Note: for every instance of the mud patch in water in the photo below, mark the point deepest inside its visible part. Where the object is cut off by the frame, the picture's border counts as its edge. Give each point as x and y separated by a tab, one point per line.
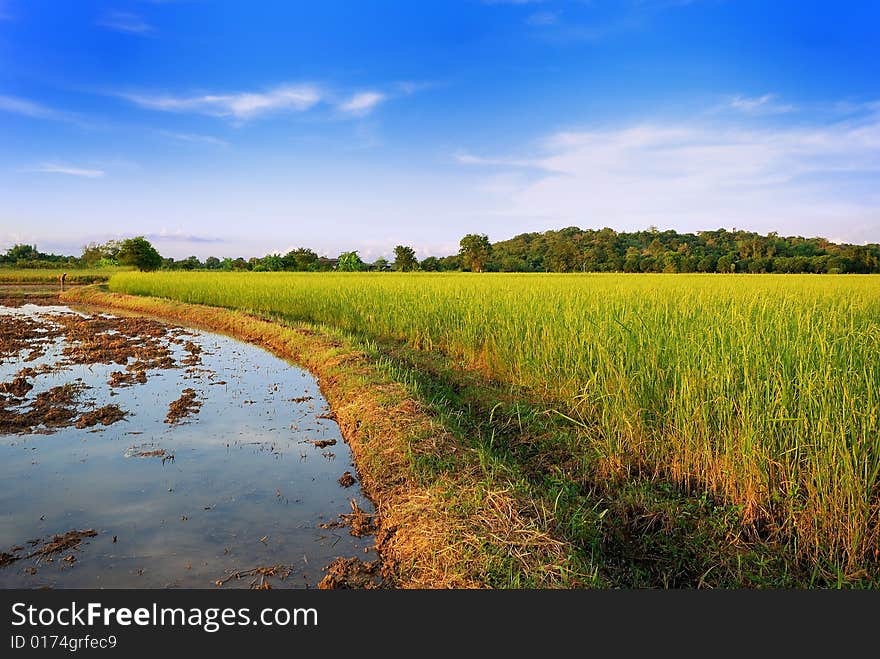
45	549
234	490
184	406
353	573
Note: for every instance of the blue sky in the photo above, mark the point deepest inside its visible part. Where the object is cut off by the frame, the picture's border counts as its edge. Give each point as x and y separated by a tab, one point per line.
241	128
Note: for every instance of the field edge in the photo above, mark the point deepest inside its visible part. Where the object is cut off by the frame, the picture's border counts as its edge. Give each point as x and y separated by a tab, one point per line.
456	530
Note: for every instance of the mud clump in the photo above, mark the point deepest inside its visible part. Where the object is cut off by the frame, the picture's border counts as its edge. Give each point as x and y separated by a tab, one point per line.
194	357
68	541
346	480
50	409
107	415
31	372
353	573
64	542
138	344
260	576
25	333
17	387
135	343
183	406
127	379
358	521
322	443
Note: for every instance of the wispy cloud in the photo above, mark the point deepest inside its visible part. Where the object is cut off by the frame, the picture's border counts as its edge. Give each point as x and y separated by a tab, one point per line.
121	21
766	104
60	168
28	108
194	138
814	178
180	237
466	158
34	110
362	102
241	105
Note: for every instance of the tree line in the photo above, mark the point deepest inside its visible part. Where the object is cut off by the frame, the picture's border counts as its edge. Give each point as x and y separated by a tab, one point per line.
578	250
567	250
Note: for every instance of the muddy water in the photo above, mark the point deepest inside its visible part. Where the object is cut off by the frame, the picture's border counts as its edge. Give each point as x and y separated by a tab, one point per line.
242	484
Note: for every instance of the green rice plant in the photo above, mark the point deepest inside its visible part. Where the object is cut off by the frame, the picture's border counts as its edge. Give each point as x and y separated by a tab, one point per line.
52	275
760	390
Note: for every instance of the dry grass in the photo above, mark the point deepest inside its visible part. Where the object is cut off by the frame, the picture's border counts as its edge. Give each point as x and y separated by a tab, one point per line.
453	531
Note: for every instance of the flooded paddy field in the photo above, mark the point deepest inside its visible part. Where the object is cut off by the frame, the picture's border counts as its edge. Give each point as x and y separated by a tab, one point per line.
138	454
18	294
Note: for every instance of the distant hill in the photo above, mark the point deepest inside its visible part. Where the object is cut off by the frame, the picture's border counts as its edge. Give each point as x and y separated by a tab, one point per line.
577	250
567	250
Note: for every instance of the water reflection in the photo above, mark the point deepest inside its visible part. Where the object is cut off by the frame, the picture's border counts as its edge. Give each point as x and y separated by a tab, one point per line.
245	487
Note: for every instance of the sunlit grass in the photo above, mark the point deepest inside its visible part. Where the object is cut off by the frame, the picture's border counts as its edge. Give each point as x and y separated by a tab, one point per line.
52	275
761	390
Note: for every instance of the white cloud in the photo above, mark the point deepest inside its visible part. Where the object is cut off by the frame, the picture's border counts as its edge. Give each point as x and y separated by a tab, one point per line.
122	21
28	108
194	138
34	110
57	168
180	236
465	158
818	179
362	102
242	106
766	104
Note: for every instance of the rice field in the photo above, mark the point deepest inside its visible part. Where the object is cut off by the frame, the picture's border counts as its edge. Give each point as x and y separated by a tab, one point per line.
52	275
760	390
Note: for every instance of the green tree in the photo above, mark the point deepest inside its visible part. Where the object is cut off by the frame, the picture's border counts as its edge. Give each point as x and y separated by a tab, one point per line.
405	258
18	253
212	263
475	250
430	264
139	253
726	264
300	259
350	262
563	256
96	254
189	263
380	264
272	262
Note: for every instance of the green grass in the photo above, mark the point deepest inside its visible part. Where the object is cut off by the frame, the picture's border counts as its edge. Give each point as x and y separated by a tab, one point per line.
759	392
51	275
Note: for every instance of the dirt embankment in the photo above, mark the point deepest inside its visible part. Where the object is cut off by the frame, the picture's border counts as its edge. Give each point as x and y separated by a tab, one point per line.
450	531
